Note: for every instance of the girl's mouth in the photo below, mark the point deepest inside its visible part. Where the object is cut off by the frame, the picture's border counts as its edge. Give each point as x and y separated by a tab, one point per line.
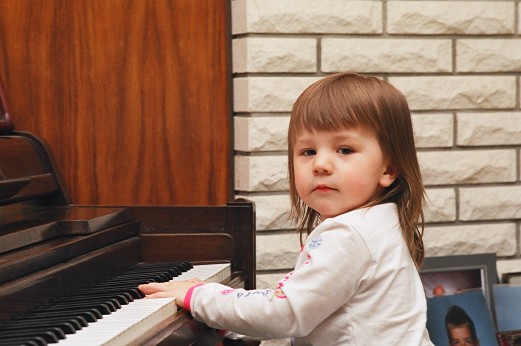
323	188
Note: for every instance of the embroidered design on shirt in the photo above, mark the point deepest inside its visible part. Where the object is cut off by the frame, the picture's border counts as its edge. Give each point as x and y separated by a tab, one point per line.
308	255
245	294
279	293
315	243
284	279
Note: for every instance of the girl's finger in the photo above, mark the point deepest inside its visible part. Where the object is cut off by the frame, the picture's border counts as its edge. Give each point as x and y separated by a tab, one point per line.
150	288
160	295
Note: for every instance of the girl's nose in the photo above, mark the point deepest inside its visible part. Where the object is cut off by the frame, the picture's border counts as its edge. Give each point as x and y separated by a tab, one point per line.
322	164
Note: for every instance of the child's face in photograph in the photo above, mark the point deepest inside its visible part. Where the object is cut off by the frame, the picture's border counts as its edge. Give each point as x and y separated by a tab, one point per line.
462	336
339	171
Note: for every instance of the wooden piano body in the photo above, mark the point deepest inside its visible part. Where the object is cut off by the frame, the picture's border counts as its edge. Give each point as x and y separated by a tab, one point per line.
49	246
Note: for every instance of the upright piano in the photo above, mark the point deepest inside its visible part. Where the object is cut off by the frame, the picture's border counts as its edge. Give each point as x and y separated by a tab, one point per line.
51	249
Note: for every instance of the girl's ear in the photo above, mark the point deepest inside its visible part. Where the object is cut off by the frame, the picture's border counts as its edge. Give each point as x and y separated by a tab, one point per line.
389	176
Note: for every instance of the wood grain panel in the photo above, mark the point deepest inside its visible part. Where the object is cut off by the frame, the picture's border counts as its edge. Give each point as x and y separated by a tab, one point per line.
213	247
132	96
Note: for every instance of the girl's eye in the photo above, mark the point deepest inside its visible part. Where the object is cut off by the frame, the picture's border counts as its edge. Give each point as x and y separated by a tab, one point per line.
308	152
345	151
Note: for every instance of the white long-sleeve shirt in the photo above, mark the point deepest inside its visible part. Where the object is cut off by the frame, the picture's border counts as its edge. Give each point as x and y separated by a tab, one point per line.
354	284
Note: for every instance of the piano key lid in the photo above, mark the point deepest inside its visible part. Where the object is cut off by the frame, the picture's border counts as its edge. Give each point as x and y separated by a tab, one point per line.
6	125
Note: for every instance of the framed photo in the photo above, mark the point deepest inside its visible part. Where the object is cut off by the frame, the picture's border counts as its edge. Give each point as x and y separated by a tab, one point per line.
455	274
460	319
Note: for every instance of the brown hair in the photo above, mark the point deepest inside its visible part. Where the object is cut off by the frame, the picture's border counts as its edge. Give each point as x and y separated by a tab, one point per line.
347	100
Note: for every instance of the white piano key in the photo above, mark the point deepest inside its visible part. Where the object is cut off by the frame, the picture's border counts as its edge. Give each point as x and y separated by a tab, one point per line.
139	320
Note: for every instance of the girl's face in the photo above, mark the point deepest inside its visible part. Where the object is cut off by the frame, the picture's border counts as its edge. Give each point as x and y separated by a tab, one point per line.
339	171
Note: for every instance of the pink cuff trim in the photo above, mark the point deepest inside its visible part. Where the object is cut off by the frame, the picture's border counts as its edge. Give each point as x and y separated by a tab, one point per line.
188	297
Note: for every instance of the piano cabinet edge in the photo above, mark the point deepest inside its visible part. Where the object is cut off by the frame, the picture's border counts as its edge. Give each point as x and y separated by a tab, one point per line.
235	219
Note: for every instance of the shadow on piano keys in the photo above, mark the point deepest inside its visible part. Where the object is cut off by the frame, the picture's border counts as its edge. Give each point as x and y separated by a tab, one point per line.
49	247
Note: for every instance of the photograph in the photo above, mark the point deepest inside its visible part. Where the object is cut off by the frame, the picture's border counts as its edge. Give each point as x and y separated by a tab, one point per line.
460	319
507	300
450	282
447	275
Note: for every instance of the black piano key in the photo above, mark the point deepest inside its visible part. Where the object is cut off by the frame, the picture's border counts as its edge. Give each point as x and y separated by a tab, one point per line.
163	269
122	296
115	287
153	271
133	277
156	268
103	308
176	268
122	299
149	270
168	273
182	265
123	285
133	291
90	315
111	303
136	280
23	341
76	323
66	327
49	334
186	265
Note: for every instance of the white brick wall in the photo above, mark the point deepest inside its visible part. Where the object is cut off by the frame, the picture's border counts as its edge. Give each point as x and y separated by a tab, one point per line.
457	63
380	55
450	17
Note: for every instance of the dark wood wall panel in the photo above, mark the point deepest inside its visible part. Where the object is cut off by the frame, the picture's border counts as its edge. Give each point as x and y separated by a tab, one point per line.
133	97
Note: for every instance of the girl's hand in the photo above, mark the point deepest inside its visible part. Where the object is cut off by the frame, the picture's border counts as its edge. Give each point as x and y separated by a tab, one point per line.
177	289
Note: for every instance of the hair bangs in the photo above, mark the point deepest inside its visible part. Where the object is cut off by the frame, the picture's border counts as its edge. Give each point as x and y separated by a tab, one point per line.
328	107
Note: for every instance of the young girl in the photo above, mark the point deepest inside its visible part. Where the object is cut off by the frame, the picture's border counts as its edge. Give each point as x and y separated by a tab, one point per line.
357	194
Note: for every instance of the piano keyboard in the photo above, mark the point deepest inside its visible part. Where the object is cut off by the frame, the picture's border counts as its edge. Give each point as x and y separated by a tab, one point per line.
135	322
131	325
